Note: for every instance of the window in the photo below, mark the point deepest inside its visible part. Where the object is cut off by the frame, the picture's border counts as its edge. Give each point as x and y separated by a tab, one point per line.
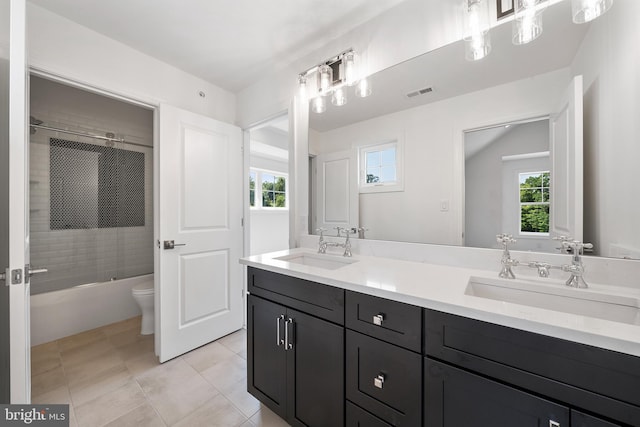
252	189
381	168
273	188
534	202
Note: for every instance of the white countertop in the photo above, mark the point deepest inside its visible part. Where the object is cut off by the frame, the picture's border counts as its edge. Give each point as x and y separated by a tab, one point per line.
442	288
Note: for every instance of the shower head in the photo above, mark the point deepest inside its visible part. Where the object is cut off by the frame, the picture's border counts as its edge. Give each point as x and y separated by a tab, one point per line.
33	121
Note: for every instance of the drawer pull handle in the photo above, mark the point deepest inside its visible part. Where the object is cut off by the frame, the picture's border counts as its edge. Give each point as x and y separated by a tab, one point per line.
379	381
554	423
279	341
378	319
288	336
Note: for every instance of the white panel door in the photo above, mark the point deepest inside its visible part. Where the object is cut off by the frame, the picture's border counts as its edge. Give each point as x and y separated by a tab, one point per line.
18	164
337	190
566	164
200	291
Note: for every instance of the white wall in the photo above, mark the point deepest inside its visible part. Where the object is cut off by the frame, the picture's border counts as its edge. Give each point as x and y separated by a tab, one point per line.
62	47
433	136
609	61
483	175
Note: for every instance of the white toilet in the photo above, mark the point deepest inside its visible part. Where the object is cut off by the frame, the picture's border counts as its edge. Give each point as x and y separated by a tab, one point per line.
143	294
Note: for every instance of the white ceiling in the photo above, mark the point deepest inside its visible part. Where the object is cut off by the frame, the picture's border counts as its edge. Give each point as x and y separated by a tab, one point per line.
229	43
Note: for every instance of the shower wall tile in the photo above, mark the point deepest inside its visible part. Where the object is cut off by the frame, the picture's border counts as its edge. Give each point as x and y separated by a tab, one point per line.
88	255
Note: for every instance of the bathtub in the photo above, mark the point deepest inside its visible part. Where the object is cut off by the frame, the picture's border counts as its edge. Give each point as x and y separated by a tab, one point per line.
58	314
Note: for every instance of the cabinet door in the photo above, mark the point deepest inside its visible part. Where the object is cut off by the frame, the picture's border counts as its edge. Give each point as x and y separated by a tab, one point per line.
266	358
315	376
455	398
579	419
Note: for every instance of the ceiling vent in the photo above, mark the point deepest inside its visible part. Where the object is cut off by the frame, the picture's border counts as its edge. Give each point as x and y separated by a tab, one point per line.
419	92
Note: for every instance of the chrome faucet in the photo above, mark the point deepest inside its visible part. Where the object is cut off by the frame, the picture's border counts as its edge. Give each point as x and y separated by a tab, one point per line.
347	242
322	244
507	262
576	268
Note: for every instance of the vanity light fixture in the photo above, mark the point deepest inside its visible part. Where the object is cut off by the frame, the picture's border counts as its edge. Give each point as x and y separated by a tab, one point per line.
363	88
349	67
527	22
333	76
319	104
302	86
588	10
476	26
325	78
339	97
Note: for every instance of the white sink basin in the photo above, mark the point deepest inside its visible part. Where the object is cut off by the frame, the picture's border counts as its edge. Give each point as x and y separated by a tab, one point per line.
329	262
557	297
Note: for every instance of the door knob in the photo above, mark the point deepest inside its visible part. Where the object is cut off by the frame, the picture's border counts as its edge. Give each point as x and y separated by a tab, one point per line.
169	244
30	271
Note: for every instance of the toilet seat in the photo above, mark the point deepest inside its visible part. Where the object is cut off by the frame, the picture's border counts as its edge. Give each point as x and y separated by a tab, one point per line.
145	288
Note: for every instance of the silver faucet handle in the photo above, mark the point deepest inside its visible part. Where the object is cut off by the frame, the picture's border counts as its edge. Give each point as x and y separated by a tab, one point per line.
577	246
562	239
505	239
321	231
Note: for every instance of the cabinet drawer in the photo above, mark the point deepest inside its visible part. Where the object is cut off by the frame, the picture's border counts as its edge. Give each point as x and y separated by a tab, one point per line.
602	381
456	398
391	321
384	379
358	417
326	302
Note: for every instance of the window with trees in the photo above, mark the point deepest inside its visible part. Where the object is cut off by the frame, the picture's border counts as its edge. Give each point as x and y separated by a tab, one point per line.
534	202
381	167
267	189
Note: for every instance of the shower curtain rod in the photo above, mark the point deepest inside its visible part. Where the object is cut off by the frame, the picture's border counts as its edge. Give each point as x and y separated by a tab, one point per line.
89	135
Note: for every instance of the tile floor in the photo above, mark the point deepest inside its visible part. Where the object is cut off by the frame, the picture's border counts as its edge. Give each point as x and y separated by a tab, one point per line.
110	377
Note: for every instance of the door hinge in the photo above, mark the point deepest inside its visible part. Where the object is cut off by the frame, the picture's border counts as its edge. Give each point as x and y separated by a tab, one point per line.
242	222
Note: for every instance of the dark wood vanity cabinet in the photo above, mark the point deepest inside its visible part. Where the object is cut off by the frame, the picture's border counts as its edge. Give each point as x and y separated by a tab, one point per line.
318	355
477	373
295	361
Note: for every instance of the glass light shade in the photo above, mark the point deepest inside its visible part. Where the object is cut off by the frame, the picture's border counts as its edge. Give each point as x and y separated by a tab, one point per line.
588	10
302	86
363	88
349	67
325	78
339	97
477	47
527	29
527	23
319	104
476	29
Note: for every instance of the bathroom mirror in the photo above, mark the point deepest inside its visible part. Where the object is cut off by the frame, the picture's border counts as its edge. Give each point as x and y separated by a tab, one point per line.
426	105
